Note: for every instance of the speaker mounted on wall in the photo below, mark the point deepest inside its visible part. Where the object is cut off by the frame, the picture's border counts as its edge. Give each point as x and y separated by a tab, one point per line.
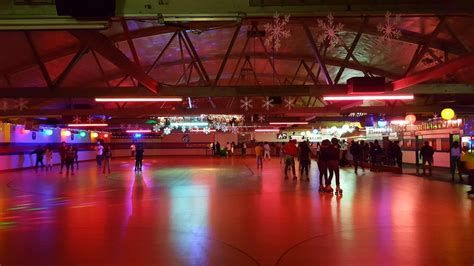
86	8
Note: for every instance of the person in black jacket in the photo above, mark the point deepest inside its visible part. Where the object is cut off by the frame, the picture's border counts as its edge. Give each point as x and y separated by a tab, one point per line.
357	155
39	151
426	154
139	158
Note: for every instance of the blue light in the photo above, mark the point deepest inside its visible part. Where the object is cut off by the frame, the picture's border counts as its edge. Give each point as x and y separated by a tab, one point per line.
382	123
137	135
48	132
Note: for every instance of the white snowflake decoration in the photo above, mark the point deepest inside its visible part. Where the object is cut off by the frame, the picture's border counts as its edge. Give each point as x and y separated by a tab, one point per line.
261	118
136	126
218	126
156	128
167	131
234	130
21	104
183	129
129	126
224	128
330	31
103	119
246	103
289	102
390	28
122	126
276	31
267	103
206	130
76	119
90	119
4	104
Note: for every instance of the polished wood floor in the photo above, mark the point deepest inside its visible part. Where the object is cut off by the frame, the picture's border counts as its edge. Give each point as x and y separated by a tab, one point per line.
218	211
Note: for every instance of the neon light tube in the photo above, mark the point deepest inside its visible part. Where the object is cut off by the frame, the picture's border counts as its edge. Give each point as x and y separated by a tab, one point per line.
189	124
87	125
202	130
138	131
288	123
267	130
115	100
399	122
368	97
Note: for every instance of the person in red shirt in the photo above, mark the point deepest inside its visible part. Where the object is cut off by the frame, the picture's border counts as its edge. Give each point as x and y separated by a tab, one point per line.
291	151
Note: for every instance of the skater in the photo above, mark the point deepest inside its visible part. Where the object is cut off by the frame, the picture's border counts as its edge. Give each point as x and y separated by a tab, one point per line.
62	155
69	160
99	151
455	161
357	156
139	158
467	160
333	165
133	148
398	153
304	153
106	159
244	149
267	149
323	158
290	151
259	155
218	149
375	154
426	154
228	148
39	151
76	156
49	158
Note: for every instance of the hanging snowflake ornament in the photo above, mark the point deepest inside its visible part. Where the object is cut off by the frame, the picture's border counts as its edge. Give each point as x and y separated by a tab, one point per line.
90	119
21	104
156	128
103	119
183	129
261	118
129	126
234	130
389	28
246	103
289	102
218	126
122	126
276	31
76	119
224	128
4	104
330	31
206	130
167	131
267	103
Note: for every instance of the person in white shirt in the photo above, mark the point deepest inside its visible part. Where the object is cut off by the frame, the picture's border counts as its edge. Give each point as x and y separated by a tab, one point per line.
456	161
266	151
133	148
99	151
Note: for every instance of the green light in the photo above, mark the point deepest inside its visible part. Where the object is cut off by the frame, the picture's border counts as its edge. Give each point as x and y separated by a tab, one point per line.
150	121
82	134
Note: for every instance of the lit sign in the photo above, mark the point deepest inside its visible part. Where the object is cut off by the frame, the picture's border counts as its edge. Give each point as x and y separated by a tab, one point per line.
282	136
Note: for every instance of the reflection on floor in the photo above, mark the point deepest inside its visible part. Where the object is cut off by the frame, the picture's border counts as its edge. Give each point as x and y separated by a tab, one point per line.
218	211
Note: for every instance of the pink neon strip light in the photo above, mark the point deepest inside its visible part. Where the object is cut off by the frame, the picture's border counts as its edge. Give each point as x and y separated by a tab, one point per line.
139	131
87	125
288	123
138	99
267	130
368	97
202	130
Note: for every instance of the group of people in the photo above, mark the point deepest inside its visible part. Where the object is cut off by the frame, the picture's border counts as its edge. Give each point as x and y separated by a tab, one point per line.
103	156
68	157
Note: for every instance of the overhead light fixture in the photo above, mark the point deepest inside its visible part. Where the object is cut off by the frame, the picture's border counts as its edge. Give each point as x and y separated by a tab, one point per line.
189	124
139	131
368	97
117	100
88	125
266	130
288	123
51	24
202	130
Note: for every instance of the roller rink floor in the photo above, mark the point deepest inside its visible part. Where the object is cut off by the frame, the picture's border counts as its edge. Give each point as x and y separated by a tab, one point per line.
223	211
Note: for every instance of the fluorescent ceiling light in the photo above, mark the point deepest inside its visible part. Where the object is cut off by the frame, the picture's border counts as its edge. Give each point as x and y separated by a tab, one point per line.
87	125
51	24
202	130
139	131
161	99
189	124
266	130
367	97
288	123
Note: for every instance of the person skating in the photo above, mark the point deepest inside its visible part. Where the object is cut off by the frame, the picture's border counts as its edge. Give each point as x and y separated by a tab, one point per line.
106	159
426	154
455	161
48	154
323	157
467	160
333	165
39	151
76	156
291	151
267	149
62	155
99	151
139	158
259	155
69	160
244	149
304	153
357	156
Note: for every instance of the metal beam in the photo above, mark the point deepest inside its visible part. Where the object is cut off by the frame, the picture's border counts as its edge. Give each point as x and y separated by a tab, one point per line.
434	72
107	49
195	55
319	59
37	58
59	80
229	50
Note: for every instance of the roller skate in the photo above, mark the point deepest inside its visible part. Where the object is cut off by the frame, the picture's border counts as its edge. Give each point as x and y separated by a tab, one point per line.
329	189
338	191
